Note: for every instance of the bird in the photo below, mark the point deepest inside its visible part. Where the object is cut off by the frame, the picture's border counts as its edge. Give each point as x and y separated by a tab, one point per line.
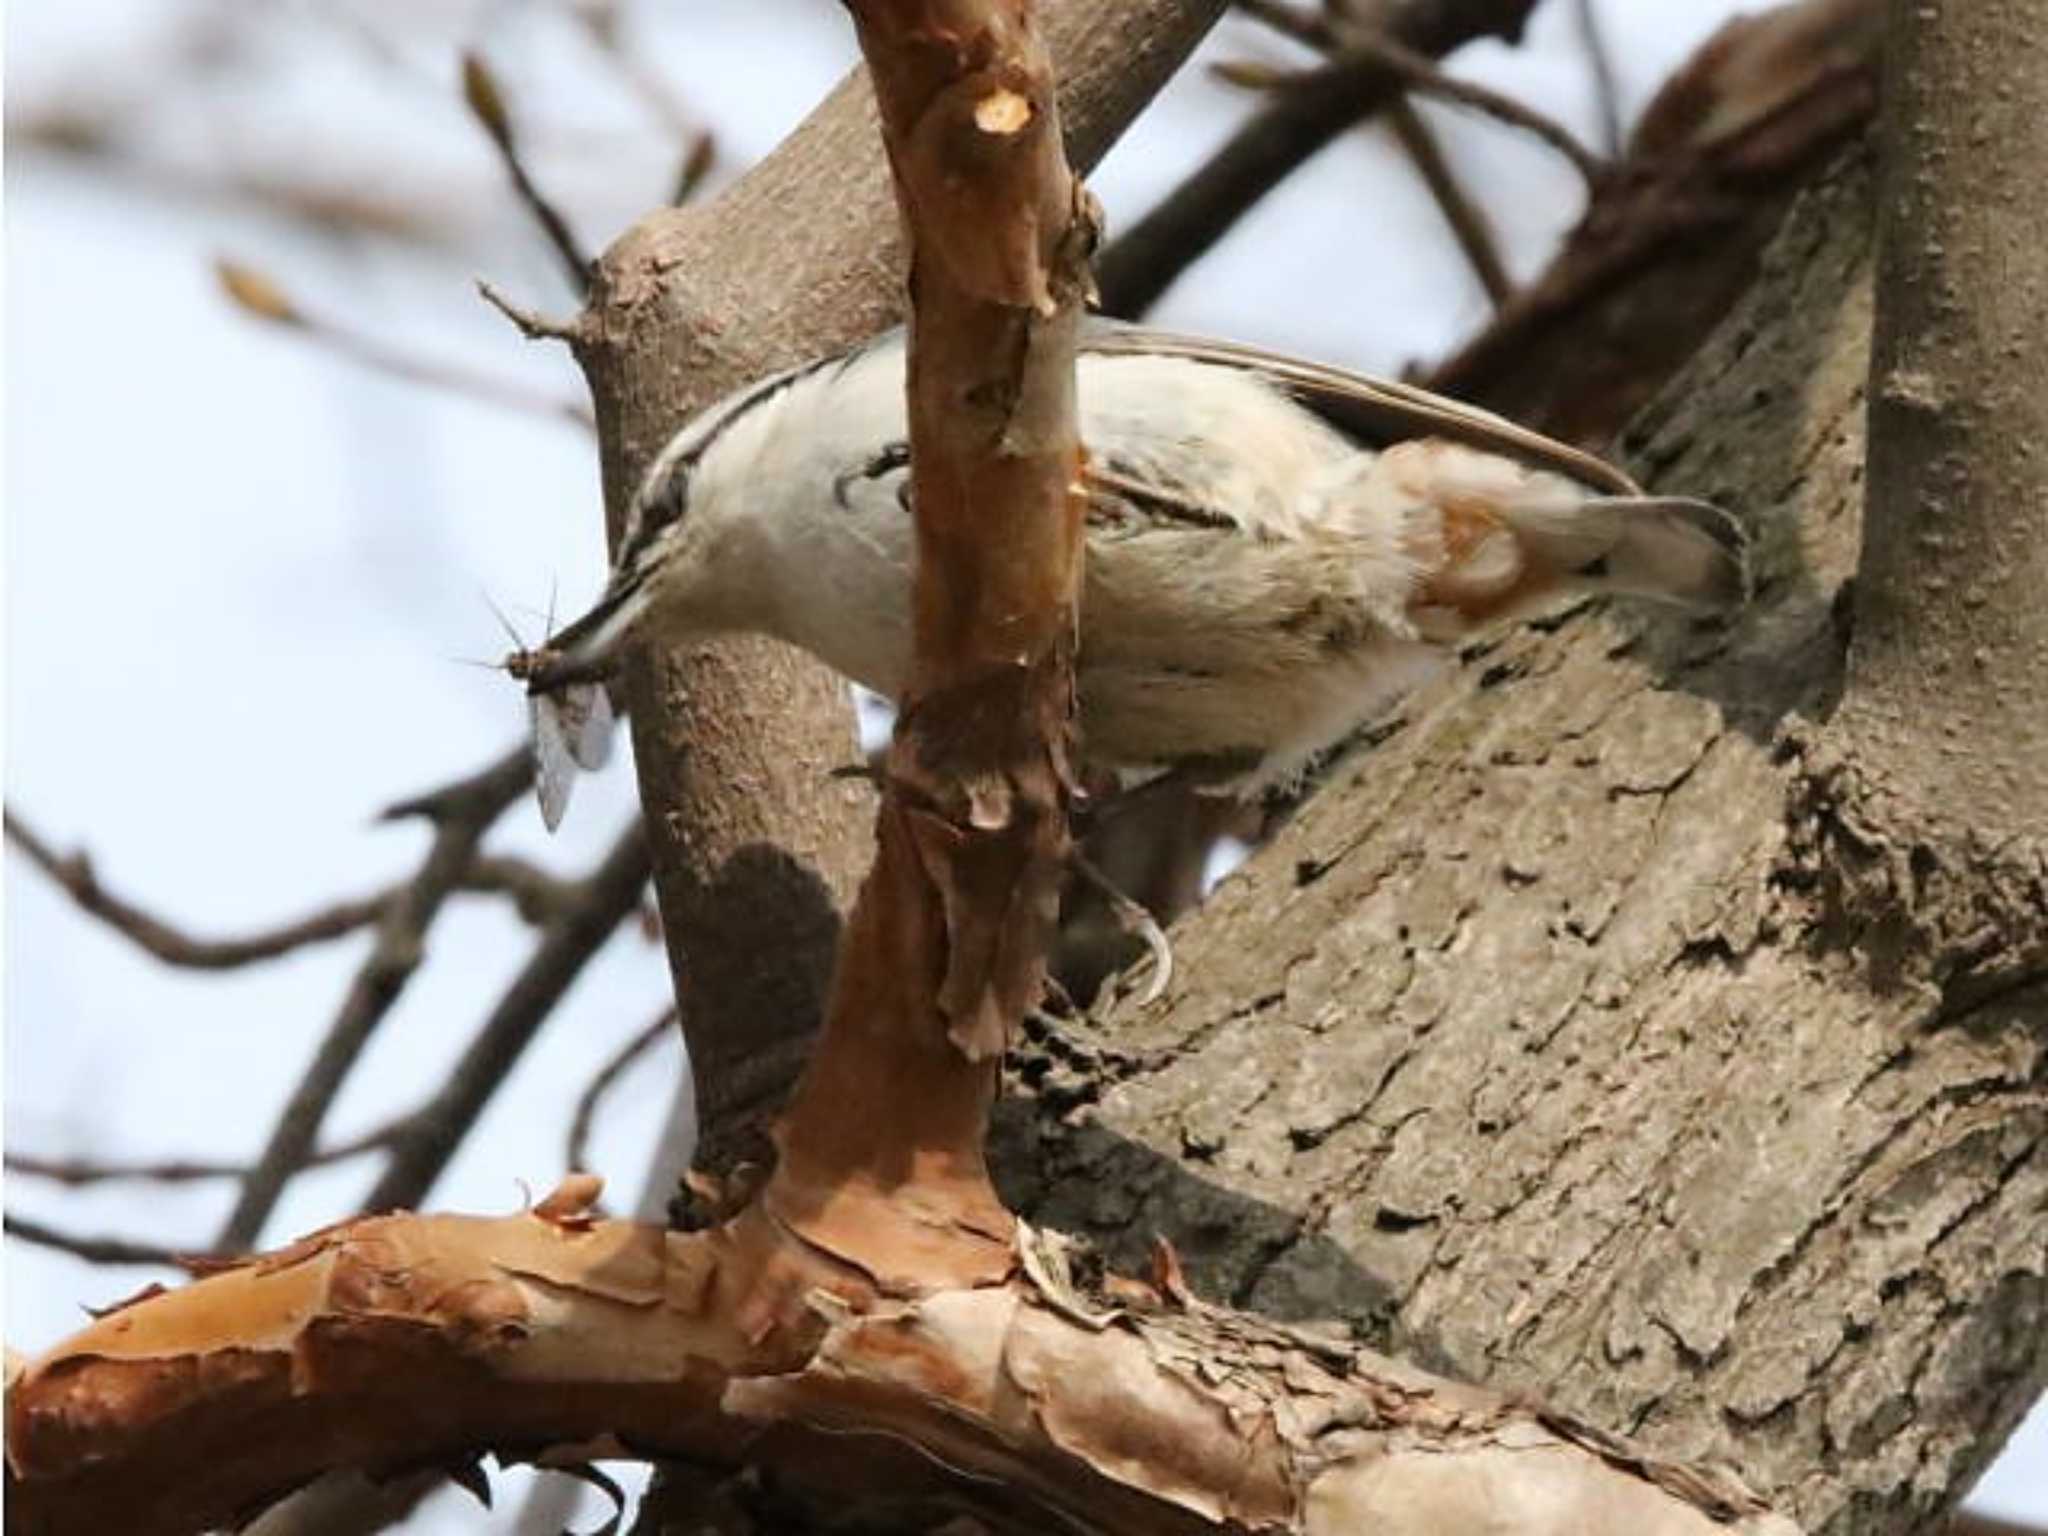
1276	549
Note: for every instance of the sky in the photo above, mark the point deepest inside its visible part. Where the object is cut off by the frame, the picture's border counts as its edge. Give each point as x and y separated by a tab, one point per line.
245	582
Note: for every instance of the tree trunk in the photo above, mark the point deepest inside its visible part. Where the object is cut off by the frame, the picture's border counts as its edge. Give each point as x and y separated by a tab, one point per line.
1583	1035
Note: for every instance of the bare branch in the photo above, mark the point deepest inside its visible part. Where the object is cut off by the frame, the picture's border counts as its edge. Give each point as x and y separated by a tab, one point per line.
487	104
757	852
659	1028
1312	29
74	874
102	1250
1600	62
1672	237
1468	221
1141	265
1424	76
428	1138
263	299
76	1171
698	161
1334	34
462	813
530	323
536	895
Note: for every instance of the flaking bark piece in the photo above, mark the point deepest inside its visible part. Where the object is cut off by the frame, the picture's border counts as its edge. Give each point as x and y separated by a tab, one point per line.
572	1204
978	764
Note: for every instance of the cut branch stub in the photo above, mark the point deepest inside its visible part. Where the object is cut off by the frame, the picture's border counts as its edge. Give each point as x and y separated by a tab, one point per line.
881	1154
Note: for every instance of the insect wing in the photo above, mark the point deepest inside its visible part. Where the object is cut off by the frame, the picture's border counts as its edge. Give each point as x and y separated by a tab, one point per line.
554	766
585	713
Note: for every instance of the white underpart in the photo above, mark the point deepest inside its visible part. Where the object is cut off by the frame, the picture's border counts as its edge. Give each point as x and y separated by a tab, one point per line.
1257	602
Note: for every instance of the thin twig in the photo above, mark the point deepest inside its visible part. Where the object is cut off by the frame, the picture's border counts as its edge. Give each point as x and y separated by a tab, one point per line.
1309	28
698	161
1281	136
535	894
531	324
383	358
74	874
432	1134
462	813
1600	62
487	105
1468	221
601	25
1335	36
80	1171
662	1026
1422	74
104	1250
259	296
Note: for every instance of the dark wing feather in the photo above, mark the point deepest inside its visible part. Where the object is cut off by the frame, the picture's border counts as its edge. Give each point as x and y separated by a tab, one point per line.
1377	412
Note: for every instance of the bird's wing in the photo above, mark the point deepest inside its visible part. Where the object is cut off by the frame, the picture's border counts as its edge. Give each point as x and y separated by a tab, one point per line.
1117	494
1378	412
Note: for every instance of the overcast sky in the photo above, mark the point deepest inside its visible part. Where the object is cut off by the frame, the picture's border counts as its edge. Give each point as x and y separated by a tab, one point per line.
244	580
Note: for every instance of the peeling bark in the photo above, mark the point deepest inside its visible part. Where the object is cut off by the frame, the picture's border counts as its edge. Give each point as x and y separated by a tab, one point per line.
411	1341
1572	1038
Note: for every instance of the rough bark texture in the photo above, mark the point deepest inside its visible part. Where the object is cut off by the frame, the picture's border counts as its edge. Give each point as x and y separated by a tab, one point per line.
756	848
1577	1038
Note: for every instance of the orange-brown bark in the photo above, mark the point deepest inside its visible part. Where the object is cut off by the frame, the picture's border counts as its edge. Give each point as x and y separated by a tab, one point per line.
881	1153
405	1341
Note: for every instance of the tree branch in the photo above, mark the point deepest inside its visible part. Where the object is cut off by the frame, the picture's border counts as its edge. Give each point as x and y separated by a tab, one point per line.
1135	269
262	298
1468	222
1423	77
183	1171
393	1341
101	1250
1600	65
576	1154
424	1142
535	894
487	104
1948	699
1672	236
462	813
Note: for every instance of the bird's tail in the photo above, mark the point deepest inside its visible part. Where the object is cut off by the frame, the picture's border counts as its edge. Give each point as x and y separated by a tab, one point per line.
1670	548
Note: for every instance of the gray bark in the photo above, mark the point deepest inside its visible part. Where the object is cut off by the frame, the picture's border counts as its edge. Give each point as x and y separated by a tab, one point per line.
1585	1034
756	848
1949	675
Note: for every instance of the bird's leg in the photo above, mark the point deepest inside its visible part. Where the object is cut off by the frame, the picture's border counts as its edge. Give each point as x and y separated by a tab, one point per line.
1132	917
